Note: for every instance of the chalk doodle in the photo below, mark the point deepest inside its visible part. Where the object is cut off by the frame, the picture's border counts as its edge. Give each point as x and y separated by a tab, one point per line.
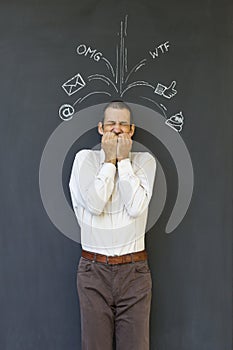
165	91
109	66
165	108
84	50
155	103
119	78
74	84
161	49
103	78
66	112
92	93
176	121
118	81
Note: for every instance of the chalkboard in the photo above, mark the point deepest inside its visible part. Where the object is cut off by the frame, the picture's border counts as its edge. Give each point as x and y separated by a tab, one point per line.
61	62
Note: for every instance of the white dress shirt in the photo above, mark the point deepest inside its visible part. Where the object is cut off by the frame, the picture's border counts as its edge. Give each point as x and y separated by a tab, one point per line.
111	202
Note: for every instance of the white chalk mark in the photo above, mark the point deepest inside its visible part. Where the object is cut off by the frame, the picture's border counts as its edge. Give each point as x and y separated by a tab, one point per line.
142	64
126	65
76	101
133	69
141	82
100	78
66	112
162	48
95	92
121	55
108	64
74	84
104	78
165	91
176	121
160	88
123	59
146	98
121	45
126	18
137	83
163	106
116	63
86	50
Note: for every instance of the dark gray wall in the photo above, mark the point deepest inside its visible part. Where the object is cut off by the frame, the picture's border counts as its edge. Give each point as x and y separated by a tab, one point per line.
191	267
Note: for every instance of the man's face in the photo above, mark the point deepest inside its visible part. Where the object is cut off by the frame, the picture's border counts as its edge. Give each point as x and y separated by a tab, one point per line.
117	121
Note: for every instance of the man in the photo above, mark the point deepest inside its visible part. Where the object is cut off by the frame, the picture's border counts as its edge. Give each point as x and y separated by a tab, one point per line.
110	192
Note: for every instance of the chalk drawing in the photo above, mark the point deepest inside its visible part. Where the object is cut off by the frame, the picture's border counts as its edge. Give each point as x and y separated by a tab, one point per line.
92	93
118	76
117	63
108	64
154	102
126	53
66	112
160	49
85	50
165	108
103	78
137	83
176	121
136	67
74	84
165	91
126	20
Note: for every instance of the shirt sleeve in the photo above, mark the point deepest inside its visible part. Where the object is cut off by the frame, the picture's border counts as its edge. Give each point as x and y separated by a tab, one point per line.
136	186
91	186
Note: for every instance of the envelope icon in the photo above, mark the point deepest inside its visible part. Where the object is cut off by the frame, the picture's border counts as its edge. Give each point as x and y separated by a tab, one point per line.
74	84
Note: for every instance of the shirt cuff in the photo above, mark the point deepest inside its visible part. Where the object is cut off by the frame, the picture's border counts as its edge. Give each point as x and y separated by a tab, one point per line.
108	170
125	167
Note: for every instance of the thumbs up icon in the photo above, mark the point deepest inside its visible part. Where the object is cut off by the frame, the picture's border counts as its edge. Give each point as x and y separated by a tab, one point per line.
165	91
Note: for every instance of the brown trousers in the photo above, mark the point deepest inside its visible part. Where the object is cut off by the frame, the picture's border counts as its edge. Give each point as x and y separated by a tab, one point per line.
114	299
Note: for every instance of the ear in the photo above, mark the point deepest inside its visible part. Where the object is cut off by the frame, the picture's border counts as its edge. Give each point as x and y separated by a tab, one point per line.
100	128
132	129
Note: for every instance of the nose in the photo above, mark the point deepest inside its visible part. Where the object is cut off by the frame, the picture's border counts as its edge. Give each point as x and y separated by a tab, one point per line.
117	128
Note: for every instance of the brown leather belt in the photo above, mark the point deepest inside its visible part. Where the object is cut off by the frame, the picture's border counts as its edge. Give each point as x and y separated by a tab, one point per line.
114	260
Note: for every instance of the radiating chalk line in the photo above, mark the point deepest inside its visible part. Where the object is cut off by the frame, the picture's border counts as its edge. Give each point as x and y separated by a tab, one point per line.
108	64
76	101
92	93
163	106
116	63
102	77
137	83
121	46
133	69
143	64
126	18
126	65
146	98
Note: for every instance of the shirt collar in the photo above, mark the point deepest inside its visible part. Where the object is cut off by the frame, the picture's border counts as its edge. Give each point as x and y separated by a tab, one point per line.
102	156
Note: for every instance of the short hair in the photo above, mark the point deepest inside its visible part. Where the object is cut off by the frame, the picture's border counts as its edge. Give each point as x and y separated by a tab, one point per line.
118	104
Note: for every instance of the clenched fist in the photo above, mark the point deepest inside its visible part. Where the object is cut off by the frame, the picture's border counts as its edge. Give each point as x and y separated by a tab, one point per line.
109	145
124	145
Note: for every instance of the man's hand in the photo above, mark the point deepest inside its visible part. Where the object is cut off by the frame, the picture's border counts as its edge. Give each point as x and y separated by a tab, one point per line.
109	145
124	145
